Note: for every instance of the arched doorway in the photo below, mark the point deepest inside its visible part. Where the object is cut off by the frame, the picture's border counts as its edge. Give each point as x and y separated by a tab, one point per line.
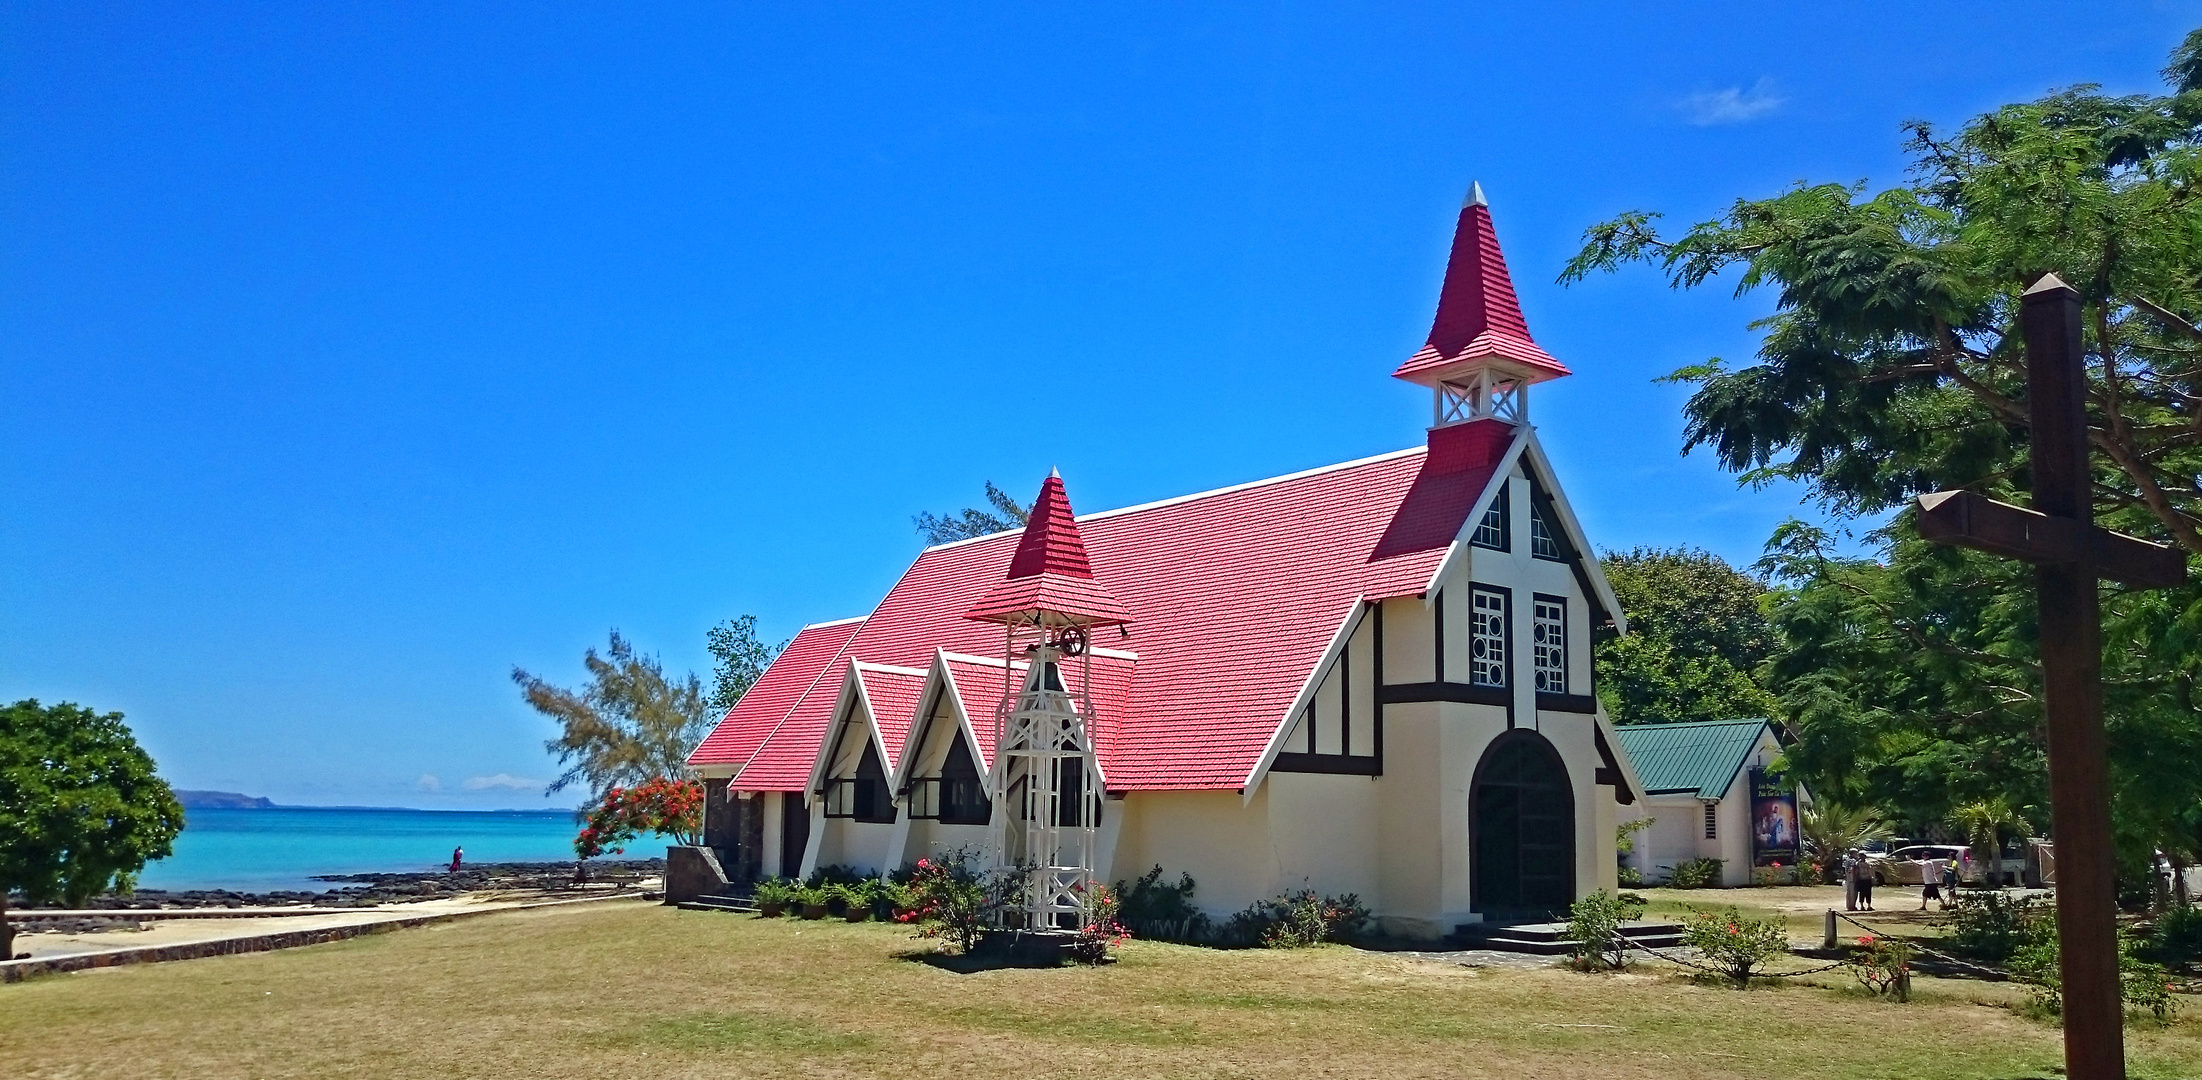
1522	820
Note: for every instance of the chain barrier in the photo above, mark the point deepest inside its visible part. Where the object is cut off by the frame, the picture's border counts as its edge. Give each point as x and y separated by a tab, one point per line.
1933	952
1628	943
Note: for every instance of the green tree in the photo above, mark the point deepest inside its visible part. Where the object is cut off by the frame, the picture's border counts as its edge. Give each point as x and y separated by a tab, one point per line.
1006	514
1831	828
81	807
1695	636
741	659
630	724
1985	823
1892	365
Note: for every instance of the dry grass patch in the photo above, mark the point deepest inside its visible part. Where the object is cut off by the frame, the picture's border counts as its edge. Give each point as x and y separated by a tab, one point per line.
647	991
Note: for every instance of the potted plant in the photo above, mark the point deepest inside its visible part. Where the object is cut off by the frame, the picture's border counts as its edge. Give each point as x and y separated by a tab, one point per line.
814	901
857	900
773	896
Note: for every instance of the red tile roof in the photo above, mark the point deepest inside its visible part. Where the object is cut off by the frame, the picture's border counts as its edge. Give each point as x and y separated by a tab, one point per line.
1461	462
1050	577
894	694
1236	594
805	667
1478	314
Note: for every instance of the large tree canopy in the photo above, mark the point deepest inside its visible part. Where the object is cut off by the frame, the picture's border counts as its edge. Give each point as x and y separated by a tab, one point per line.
1695	636
81	808
1893	365
630	724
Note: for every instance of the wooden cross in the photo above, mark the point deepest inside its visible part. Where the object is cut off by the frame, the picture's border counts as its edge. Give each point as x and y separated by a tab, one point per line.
2069	553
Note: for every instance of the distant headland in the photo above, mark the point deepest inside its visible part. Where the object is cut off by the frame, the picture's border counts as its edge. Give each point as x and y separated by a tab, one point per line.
221	800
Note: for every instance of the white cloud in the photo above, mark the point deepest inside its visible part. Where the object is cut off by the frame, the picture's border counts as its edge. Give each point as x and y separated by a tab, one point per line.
428	782
502	780
1734	105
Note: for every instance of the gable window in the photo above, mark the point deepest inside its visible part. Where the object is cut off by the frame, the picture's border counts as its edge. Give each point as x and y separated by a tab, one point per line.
1487	636
863	797
1548	644
1544	543
1491	531
1712	821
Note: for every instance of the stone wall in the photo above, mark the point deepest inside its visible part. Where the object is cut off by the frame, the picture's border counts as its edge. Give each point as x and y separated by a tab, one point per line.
691	872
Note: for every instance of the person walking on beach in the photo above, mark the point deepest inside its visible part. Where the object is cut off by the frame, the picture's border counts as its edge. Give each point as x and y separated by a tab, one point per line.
458	855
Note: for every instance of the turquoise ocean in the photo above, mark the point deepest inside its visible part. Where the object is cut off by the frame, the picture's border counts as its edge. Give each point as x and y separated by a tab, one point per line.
282	848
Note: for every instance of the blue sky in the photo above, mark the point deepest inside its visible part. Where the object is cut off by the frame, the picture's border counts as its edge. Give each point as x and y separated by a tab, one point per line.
353	354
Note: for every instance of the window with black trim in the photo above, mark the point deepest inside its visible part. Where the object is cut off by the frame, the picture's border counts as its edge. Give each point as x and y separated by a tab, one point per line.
863	797
1487	636
1491	531
1712	821
958	795
1548	643
1544	543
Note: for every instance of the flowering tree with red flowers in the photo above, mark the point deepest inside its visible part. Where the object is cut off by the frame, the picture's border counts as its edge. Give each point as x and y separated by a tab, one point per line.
661	806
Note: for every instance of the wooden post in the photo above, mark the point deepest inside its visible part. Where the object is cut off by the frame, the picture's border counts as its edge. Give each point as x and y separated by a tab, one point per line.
2072	701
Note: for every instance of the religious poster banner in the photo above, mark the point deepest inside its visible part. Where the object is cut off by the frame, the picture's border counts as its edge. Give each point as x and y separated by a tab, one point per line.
1774	837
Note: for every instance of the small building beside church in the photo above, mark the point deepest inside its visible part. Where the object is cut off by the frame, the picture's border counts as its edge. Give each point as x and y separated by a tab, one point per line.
1373	677
1706	793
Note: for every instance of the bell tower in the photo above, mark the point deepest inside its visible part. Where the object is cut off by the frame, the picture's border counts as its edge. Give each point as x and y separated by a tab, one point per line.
1046	776
1480	360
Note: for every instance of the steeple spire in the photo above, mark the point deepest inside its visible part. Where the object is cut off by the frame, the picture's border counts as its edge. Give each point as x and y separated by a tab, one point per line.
1050	580
1479	355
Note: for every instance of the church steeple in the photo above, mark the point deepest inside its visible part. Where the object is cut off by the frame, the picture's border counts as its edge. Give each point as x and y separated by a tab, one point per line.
1479	357
1050	580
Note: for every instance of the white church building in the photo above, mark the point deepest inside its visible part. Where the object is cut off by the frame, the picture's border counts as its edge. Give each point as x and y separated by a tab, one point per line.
1373	677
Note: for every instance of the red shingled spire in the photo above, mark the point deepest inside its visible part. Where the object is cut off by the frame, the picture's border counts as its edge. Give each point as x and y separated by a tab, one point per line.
1478	316
1050	579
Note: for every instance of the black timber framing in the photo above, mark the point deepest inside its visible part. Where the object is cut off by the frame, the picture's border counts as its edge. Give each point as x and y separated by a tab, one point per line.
1345	761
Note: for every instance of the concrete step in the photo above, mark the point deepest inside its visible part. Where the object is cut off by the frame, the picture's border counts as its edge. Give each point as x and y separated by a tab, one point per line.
1550	939
719	902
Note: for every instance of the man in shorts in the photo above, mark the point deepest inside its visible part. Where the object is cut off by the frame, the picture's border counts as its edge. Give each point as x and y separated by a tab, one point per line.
1930	881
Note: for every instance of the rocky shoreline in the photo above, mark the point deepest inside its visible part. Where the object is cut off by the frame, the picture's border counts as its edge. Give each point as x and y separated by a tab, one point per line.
358	890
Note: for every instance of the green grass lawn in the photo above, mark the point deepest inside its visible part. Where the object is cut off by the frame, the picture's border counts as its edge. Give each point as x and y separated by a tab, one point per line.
645	991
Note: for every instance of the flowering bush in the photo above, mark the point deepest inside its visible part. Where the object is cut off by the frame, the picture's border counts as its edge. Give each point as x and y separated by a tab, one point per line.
953	902
1737	945
1102	931
1883	965
666	807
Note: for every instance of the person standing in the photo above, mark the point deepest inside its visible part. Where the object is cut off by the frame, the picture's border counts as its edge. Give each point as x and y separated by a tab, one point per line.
1930	880
1866	881
458	855
1849	870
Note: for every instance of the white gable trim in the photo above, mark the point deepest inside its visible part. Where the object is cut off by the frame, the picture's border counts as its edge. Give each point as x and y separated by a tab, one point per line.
1621	754
855	702
940	686
1458	550
1338	643
1536	458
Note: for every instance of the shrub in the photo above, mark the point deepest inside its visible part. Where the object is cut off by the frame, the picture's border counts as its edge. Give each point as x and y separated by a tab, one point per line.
1594	925
1159	910
1296	920
2177	936
2142	986
1738	946
1883	965
836	874
1102	932
1989	926
1695	874
1776	874
955	902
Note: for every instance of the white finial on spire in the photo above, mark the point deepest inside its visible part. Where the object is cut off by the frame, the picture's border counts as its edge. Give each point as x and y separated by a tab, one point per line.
1055	474
1475	195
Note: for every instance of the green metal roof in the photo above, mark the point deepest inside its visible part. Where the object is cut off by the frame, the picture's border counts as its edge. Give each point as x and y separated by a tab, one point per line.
1700	757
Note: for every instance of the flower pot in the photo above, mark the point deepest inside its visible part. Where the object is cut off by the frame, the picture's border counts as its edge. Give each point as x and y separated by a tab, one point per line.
772	911
814	911
857	914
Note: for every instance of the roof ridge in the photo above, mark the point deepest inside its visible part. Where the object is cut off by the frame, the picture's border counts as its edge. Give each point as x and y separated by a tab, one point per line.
1251	484
832	622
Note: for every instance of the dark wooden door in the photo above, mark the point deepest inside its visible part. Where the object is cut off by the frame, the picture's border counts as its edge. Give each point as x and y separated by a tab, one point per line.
1522	819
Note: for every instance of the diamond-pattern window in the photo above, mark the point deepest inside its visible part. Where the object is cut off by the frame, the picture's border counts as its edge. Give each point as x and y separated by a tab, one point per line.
1487	636
1548	644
